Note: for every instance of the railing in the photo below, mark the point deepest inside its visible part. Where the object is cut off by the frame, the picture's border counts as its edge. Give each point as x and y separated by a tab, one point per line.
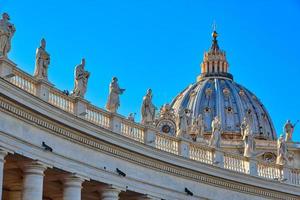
97	116
162	141
201	154
132	131
59	99
166	143
24	81
294	176
268	171
236	163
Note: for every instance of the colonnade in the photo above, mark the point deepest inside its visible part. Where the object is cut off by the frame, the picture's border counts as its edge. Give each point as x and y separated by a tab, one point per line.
33	179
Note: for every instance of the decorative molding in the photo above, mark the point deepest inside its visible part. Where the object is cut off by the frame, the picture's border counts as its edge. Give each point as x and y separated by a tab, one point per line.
36	119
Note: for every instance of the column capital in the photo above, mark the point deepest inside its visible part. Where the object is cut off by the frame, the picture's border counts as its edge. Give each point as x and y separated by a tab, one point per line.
110	192
34	167
73	180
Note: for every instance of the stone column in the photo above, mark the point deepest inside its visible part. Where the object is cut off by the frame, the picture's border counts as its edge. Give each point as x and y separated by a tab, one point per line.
2	161
115	123
219	158
253	171
80	107
33	180
110	193
43	89
72	187
15	195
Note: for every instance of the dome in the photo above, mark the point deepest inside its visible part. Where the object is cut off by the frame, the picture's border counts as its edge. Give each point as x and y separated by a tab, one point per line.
216	94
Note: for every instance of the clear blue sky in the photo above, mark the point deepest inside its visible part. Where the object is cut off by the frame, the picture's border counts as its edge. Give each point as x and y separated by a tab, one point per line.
159	44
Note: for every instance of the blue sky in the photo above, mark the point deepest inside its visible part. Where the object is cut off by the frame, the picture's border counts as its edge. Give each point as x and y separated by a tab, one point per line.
159	44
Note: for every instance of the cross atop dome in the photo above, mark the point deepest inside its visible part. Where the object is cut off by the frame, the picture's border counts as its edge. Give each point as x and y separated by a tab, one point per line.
214	62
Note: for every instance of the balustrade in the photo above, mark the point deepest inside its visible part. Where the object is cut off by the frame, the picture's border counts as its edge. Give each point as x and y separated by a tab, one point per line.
294	176
269	171
132	131
23	81
166	143
236	163
97	116
59	99
202	154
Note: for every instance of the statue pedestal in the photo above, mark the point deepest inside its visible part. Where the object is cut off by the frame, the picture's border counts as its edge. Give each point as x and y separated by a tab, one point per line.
219	158
6	68
184	147
115	123
150	136
253	167
80	106
43	89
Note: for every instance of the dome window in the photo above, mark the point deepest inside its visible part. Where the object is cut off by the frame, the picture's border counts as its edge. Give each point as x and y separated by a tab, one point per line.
229	109
242	93
208	92
207	109
226	91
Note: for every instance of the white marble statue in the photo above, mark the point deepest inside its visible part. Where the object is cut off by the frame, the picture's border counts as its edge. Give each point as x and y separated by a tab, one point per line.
282	152
183	122
113	101
215	139
7	31
148	109
81	80
288	130
248	138
42	60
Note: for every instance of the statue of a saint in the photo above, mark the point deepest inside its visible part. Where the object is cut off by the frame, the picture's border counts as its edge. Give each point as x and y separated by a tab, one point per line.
215	139
183	122
288	130
281	151
248	138
7	31
148	109
81	79
197	129
113	101
42	60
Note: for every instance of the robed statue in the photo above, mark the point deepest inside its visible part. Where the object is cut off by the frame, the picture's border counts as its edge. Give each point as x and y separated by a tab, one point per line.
113	101
183	122
282	152
148	109
248	138
215	139
197	128
81	80
42	60
288	130
7	31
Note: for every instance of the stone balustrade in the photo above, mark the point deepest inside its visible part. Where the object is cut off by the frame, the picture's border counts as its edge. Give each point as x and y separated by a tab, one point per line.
148	135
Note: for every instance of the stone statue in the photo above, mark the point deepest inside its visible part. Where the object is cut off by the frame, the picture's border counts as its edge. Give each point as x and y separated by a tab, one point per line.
248	138
7	31
42	60
197	129
148	109
81	79
288	130
113	101
183	122
131	117
281	151
215	139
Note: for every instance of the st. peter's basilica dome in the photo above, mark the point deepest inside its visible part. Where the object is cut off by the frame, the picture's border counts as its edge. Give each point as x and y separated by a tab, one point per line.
216	94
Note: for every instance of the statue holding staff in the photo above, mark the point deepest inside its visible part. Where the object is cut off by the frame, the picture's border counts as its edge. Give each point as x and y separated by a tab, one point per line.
148	109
